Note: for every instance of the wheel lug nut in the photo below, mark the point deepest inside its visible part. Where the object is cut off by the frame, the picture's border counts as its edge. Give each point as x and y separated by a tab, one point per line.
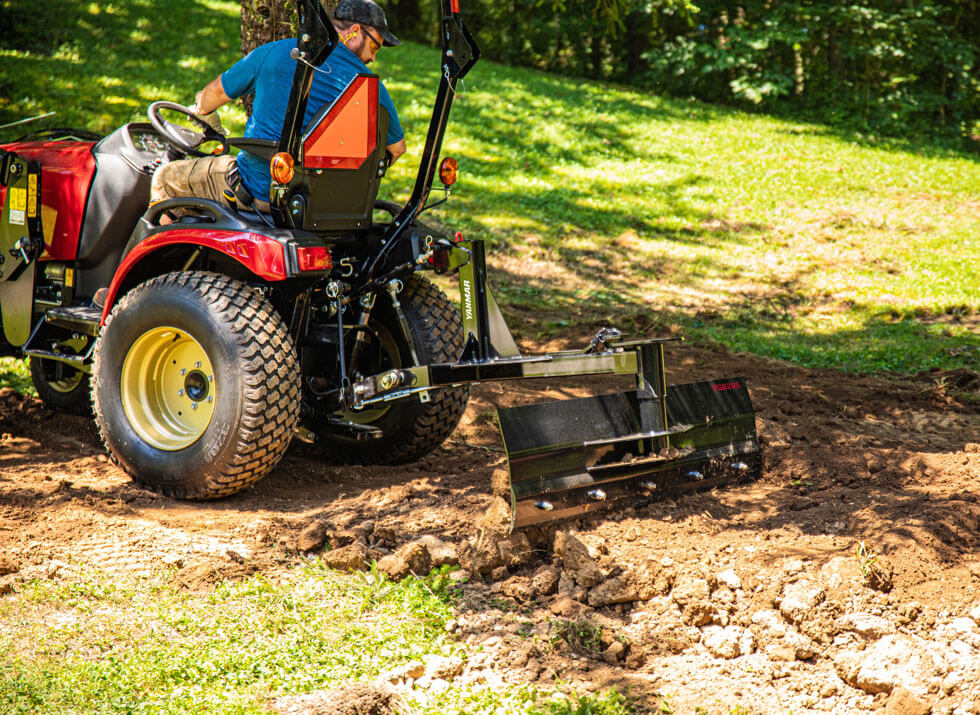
193	405
197	364
180	392
183	371
210	398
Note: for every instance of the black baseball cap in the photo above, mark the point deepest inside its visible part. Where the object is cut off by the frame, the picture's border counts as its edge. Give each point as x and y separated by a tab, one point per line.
366	12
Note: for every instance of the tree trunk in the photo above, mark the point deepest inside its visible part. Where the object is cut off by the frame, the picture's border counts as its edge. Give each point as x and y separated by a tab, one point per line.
264	21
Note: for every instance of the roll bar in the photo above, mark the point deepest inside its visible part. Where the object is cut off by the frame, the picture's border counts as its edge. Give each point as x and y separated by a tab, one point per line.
317	39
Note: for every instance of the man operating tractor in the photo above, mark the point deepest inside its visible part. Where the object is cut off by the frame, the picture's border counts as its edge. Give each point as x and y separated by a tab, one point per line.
267	72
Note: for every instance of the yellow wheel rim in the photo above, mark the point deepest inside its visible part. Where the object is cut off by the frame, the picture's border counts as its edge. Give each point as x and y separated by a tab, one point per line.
168	388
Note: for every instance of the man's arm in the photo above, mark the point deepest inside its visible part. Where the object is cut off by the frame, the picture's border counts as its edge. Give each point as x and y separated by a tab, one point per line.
396	149
212	97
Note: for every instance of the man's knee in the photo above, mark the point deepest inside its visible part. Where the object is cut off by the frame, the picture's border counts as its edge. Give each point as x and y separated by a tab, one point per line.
204	178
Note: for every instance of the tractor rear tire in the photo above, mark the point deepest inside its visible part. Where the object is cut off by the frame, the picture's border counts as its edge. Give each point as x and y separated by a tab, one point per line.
195	385
410	428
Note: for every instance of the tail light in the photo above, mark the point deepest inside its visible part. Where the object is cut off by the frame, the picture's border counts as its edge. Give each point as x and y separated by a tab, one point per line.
282	167
313	258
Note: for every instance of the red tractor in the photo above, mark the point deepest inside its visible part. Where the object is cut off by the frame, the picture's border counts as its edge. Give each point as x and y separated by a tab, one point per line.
205	345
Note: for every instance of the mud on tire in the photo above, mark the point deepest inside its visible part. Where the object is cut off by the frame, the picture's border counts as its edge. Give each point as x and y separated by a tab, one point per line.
195	385
410	428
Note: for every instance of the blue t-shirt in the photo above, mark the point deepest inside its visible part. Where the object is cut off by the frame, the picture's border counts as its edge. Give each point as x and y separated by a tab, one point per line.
268	72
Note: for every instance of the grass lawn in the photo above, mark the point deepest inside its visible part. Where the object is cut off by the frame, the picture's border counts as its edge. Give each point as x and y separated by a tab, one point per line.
93	644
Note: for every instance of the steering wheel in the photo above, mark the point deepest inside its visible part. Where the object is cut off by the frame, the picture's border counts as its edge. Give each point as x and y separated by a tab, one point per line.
182	138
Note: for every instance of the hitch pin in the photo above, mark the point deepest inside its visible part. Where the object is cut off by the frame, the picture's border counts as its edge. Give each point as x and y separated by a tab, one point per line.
20	246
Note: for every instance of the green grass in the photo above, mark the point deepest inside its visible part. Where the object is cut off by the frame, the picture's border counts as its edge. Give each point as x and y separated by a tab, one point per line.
769	236
92	644
16	374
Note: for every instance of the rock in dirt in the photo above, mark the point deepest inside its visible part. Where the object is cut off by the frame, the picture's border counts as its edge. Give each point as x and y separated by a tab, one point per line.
730	579
567	607
614	653
499	574
481	554
313	536
7	566
7	584
515	551
903	702
442	667
781	653
728	642
615	590
892	662
577	562
975	614
773	434
413	670
519	588
799	599
545	580
693	595
440	553
410	558
353	557
865	624
841	574
355	699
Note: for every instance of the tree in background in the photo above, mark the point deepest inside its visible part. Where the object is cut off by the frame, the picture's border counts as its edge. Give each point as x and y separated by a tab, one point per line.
886	65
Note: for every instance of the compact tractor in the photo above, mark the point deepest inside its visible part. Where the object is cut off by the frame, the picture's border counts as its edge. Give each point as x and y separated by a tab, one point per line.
206	344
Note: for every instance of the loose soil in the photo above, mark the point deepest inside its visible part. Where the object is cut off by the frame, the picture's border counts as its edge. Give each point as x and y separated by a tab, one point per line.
892	464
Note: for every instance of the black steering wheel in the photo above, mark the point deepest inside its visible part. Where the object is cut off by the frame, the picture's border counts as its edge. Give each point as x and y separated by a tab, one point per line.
182	138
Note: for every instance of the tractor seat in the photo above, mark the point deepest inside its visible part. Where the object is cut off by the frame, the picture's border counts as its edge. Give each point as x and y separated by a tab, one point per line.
342	160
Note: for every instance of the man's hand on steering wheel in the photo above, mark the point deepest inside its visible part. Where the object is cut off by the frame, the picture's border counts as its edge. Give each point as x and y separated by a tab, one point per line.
184	139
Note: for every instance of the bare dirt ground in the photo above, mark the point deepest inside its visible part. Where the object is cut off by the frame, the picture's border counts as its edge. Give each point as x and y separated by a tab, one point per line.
751	596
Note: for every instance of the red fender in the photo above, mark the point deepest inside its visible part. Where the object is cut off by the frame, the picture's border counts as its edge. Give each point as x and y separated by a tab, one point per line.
263	256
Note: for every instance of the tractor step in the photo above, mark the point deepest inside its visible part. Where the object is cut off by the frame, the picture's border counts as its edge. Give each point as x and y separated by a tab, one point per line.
79	318
572	457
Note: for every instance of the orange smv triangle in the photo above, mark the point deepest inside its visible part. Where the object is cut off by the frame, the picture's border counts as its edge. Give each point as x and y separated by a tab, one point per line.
346	135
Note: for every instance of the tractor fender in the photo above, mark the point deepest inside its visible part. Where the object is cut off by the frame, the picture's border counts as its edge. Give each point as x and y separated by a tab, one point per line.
261	255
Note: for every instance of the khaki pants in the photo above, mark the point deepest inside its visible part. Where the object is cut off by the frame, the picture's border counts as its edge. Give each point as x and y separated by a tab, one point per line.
205	177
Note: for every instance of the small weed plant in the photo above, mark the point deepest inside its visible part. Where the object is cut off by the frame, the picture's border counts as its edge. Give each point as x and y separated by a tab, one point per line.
612	702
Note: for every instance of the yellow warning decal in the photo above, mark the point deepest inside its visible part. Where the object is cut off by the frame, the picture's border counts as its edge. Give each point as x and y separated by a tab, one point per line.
18	204
69	277
32	195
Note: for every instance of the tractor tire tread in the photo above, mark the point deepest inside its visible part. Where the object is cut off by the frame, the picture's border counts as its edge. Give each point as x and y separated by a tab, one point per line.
440	329
271	376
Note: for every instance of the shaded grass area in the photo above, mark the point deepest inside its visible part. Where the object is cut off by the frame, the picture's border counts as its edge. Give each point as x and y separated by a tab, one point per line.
769	236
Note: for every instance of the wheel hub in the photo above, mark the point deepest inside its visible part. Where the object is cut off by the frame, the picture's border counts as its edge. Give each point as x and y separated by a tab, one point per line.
168	388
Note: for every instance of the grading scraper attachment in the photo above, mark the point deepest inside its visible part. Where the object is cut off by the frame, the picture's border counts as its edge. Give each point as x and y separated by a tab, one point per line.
571	457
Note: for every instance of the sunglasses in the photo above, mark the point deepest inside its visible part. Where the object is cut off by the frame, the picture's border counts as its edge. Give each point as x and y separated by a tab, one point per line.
378	44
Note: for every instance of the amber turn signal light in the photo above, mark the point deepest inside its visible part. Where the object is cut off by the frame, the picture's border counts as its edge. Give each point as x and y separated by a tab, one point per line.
282	167
448	171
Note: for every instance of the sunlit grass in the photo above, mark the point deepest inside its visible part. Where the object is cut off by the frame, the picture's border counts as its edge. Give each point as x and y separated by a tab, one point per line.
90	642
